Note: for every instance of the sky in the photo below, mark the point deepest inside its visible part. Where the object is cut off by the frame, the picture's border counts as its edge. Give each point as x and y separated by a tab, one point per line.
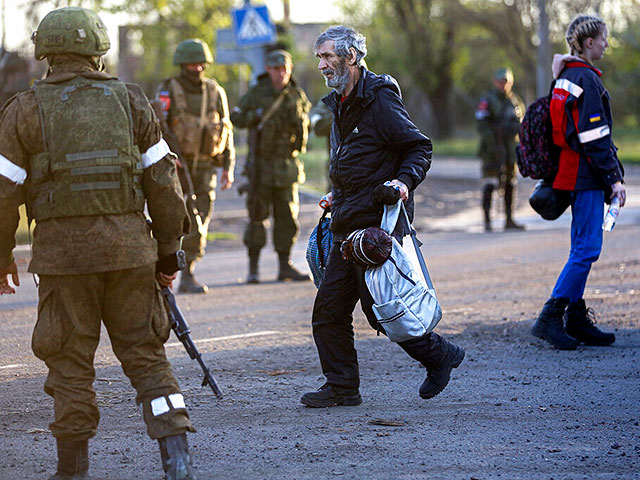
301	11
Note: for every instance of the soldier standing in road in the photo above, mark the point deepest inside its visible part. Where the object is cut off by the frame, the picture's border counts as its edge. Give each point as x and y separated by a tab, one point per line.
195	120
70	147
499	113
275	111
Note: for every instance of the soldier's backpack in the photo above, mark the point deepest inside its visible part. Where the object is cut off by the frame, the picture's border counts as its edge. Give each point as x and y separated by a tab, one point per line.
536	155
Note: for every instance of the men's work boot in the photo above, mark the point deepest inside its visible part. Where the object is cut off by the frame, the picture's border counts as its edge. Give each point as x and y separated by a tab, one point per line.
440	358
510	224
176	460
580	322
288	271
332	396
73	460
254	260
486	206
550	327
188	282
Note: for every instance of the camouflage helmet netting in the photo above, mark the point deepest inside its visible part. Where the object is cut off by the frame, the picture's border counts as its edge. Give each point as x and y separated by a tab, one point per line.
71	30
192	50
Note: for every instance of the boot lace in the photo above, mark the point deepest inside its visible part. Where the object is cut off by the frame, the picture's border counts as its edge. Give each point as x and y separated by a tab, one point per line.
590	316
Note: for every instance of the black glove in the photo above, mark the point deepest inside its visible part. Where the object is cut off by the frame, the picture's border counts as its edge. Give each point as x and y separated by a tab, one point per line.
171	263
385	195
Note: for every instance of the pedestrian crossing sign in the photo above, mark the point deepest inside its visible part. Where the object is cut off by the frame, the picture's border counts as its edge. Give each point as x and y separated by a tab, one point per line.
252	26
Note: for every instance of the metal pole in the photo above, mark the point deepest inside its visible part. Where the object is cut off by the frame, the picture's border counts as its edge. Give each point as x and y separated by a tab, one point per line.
287	17
543	68
4	29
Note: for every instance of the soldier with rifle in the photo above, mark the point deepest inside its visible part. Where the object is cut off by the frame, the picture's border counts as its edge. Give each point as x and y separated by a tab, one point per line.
194	115
275	111
499	113
84	151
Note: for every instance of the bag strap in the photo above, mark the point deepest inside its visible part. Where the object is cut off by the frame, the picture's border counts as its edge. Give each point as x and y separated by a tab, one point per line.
272	109
416	245
390	217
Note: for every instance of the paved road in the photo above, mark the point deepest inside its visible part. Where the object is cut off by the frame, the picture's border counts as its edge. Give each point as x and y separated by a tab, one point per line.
515	409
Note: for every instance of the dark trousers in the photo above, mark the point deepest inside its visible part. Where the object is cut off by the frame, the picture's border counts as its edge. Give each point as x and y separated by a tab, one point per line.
332	322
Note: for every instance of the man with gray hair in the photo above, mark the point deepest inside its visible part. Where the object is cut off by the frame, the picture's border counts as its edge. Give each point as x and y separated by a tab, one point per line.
377	157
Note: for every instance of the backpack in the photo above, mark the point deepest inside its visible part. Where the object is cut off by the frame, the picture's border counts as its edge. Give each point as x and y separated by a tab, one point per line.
318	248
404	300
537	155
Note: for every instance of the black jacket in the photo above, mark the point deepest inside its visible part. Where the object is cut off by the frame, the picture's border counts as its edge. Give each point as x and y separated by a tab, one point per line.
373	140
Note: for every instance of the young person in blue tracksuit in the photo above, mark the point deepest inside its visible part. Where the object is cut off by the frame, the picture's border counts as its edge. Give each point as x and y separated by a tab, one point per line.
590	169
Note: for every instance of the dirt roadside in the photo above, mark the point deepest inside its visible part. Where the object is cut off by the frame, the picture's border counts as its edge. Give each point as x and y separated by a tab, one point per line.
515	409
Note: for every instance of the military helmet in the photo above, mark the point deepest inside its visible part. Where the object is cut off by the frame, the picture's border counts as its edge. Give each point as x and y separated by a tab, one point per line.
192	50
71	30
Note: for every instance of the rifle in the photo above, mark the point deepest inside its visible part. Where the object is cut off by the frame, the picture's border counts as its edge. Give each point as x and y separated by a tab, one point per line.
169	265
184	175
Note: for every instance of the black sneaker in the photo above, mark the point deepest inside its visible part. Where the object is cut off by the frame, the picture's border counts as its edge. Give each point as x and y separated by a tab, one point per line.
331	396
581	321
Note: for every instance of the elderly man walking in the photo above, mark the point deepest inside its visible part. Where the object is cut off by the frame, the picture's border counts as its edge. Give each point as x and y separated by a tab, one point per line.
373	141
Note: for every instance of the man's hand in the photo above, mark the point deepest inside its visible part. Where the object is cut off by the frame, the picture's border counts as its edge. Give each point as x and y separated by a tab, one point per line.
404	190
226	180
166	280
326	201
12	270
620	192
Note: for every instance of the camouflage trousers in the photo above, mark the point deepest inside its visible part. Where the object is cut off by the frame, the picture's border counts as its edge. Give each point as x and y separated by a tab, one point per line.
204	185
285	204
71	309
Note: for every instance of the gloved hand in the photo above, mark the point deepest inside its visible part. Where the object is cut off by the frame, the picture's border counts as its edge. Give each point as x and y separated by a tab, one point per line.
385	195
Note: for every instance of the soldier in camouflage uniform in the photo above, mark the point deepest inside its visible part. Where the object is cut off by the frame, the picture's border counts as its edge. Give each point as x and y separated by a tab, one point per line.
276	112
85	152
499	113
195	120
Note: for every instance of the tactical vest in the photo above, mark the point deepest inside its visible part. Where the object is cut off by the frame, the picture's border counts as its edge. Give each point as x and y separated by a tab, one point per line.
212	136
90	165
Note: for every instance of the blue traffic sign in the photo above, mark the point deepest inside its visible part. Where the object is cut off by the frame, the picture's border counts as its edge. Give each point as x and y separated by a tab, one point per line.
252	26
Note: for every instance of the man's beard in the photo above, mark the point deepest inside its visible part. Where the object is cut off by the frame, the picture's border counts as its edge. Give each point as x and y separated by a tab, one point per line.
340	76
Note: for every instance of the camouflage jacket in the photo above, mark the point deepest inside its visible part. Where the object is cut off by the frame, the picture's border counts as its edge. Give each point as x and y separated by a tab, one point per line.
498	116
216	144
283	136
98	243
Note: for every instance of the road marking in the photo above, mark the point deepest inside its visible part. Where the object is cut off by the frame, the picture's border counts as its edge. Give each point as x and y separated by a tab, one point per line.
15	365
228	337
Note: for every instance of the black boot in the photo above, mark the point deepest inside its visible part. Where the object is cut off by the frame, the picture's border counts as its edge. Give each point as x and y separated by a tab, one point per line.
254	259
332	396
438	356
550	327
188	282
486	206
176	460
73	460
288	271
510	224
580	322
442	357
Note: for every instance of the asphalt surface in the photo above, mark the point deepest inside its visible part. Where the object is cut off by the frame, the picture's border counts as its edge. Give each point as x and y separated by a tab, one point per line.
515	409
